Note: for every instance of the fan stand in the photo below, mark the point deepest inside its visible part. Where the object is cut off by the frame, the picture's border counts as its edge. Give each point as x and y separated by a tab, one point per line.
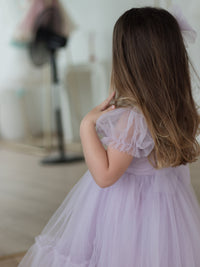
62	157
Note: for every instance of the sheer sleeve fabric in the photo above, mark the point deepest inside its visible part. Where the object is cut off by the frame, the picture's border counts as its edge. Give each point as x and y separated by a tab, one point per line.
125	129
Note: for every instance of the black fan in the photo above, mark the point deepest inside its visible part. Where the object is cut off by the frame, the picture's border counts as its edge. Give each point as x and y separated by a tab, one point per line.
47	41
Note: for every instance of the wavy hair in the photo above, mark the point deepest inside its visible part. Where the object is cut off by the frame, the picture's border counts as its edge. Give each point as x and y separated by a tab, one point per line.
150	70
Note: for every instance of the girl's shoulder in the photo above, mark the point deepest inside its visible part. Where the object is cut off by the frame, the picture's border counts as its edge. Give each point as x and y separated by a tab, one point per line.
120	113
125	128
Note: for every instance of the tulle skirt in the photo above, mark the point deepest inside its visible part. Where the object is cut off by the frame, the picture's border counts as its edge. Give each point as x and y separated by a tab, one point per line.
140	221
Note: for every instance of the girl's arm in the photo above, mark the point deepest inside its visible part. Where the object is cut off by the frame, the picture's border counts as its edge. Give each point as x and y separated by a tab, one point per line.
108	166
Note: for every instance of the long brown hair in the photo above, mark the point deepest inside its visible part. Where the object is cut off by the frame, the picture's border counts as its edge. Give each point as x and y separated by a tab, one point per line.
150	70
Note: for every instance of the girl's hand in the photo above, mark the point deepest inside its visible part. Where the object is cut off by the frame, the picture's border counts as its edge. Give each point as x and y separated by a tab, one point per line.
96	112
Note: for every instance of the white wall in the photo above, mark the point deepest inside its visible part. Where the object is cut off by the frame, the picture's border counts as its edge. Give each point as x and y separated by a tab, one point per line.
17	74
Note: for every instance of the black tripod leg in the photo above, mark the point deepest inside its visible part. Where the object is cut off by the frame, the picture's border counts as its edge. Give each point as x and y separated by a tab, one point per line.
61	146
58	116
54	67
62	158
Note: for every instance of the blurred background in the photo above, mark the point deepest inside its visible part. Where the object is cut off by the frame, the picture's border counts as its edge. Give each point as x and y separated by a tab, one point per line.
49	79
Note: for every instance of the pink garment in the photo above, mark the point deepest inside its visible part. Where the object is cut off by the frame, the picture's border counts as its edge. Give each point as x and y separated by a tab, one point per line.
63	25
36	8
148	218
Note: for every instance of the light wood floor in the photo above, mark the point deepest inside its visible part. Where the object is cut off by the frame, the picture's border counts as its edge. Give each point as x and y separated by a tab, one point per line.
29	195
11	260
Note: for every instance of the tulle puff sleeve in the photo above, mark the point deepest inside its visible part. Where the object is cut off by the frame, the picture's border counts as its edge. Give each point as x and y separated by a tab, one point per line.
125	129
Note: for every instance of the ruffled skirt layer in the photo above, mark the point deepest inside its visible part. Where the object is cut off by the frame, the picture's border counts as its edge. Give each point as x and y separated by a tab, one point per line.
140	221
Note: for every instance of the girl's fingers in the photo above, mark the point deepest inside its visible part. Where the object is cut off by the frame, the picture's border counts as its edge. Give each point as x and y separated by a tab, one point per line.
108	109
106	102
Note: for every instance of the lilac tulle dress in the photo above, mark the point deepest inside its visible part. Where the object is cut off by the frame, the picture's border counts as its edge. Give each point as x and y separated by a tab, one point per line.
148	218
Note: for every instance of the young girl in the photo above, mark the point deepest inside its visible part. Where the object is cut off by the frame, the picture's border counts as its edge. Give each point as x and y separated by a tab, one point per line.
135	206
